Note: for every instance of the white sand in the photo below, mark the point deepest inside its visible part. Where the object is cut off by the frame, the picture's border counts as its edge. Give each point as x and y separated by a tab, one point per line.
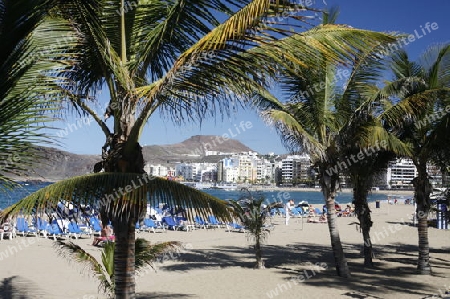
218	264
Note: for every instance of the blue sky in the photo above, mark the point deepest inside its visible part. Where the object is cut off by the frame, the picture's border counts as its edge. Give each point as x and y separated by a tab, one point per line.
389	16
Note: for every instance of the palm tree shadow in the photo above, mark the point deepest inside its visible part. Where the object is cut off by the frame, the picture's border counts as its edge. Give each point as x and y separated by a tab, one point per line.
292	260
16	287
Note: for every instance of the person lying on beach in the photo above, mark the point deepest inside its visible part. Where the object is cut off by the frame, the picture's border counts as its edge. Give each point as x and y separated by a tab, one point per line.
322	219
106	234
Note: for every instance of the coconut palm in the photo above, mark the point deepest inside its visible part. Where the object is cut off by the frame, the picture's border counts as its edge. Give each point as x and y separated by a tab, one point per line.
145	255
429	80
22	75
175	58
253	216
316	113
366	144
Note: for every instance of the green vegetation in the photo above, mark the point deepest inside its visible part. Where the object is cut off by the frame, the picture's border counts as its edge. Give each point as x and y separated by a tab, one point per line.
145	255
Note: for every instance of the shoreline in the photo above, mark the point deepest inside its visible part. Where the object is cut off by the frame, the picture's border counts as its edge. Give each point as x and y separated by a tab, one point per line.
393	192
342	190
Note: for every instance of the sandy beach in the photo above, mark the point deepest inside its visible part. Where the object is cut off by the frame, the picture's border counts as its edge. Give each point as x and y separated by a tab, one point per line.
218	264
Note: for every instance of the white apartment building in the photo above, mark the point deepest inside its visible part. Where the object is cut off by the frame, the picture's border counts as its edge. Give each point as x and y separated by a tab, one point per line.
401	172
161	171
265	171
231	174
196	171
295	167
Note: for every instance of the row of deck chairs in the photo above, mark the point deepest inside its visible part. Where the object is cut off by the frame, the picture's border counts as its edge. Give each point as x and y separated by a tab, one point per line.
54	229
181	223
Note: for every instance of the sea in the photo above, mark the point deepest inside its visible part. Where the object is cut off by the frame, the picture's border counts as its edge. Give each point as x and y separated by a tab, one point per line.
10	197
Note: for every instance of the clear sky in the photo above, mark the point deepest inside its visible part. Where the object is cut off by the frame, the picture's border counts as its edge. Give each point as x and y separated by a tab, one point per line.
403	16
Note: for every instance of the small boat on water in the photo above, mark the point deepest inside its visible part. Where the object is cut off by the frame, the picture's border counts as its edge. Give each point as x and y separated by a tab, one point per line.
226	186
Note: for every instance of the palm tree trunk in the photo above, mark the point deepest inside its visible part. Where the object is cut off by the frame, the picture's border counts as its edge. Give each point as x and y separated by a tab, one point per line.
362	211
329	192
423	263
422	191
124	265
258	253
124	158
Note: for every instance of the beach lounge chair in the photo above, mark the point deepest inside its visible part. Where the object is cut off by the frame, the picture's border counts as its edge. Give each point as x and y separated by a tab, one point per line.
138	226
150	225
273	212
23	227
171	224
213	222
317	211
7	231
233	226
95	225
200	223
295	212
41	226
54	230
76	231
184	224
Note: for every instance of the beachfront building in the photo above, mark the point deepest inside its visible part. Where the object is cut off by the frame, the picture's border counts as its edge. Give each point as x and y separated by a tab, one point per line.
400	174
231	175
295	169
247	167
184	170
224	174
435	174
197	172
161	170
265	171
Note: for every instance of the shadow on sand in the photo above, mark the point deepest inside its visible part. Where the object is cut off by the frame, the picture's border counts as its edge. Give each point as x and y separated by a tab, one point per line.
388	275
16	287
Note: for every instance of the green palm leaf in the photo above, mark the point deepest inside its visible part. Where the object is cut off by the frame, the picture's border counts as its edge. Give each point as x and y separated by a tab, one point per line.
102	271
119	193
27	71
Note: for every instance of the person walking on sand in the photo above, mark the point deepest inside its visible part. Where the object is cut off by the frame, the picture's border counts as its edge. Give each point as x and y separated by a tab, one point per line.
287	210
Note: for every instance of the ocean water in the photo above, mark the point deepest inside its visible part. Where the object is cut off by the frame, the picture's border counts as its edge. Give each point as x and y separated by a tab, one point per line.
312	197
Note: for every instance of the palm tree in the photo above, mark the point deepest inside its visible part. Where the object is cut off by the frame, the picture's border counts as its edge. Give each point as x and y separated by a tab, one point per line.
145	254
426	80
253	216
312	119
22	76
178	59
365	142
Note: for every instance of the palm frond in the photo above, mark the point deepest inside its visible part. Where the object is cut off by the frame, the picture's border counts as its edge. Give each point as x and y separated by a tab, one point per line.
147	253
70	251
119	193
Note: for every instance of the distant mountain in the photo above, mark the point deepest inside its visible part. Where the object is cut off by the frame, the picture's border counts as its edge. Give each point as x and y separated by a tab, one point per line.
58	164
192	149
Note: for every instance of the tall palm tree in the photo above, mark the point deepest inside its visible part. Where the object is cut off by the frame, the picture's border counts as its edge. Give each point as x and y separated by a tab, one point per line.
365	141
316	113
22	75
145	255
178	59
429	80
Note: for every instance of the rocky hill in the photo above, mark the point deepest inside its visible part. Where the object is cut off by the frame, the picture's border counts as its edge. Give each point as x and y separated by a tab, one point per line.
57	164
